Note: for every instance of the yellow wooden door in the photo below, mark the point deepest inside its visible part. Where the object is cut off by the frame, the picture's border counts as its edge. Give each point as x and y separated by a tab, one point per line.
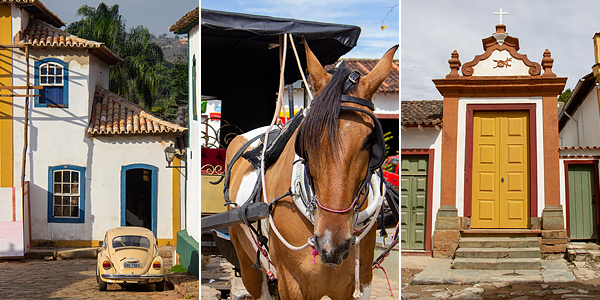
500	190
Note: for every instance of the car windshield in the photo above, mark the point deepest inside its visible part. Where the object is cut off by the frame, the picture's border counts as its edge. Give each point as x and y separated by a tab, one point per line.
391	165
131	241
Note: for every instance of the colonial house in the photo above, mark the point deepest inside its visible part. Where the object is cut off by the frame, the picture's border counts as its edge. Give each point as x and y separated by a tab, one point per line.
496	172
77	159
420	170
188	238
579	136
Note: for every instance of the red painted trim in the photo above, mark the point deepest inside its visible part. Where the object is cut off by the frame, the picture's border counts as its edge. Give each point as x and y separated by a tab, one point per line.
388	116
533	193
14	205
567	199
429	214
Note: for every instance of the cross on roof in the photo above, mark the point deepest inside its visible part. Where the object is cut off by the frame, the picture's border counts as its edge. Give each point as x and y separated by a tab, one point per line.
500	13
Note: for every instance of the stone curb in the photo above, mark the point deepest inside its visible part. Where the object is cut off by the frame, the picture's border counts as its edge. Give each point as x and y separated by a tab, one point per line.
80	253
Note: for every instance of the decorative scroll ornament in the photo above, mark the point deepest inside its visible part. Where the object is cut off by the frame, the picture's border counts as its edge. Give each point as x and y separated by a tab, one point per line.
503	63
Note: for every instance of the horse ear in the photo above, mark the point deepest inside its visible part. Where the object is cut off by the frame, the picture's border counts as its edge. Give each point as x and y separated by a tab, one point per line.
319	76
373	80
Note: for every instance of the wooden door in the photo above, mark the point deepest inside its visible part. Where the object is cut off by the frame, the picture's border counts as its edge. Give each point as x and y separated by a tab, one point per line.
582	202
500	178
413	206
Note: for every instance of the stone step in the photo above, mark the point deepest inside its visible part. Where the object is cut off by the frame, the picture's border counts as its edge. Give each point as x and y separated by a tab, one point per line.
497	263
499	242
499	252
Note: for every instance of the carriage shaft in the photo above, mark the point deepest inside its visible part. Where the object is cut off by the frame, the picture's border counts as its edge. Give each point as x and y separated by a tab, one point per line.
254	212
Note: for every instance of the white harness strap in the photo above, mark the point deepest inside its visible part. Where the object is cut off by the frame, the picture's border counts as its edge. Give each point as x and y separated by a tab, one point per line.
302	195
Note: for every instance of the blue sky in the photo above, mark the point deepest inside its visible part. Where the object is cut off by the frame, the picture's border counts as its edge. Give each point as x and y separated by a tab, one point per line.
368	15
156	15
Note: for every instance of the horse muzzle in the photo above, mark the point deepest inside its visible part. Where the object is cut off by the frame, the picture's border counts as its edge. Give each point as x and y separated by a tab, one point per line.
330	253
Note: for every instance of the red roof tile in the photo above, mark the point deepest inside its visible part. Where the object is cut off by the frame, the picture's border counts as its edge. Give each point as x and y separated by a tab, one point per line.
39	10
113	114
421	112
364	67
580	148
186	22
41	35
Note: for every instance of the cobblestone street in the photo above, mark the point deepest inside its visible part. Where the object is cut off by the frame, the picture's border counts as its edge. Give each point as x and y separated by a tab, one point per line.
67	279
216	274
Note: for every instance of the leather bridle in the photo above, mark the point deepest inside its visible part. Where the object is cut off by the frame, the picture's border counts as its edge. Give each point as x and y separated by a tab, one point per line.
377	148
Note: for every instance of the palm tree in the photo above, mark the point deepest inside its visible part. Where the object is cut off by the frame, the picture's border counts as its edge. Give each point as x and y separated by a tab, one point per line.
134	77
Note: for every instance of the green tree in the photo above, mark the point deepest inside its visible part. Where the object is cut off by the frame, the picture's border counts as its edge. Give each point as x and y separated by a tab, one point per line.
135	77
564	97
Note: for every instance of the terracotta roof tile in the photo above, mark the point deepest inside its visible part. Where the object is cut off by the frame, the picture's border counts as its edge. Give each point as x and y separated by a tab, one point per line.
37	8
364	67
421	112
186	22
112	114
41	34
580	148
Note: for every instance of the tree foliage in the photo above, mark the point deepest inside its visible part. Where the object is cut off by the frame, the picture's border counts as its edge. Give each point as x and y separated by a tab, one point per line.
135	77
564	97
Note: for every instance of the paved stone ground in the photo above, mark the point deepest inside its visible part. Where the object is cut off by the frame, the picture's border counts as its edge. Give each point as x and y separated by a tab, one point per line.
71	279
216	275
551	282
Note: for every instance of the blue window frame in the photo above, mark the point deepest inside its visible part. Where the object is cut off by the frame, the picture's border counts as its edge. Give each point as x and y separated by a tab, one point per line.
153	193
53	75
66	194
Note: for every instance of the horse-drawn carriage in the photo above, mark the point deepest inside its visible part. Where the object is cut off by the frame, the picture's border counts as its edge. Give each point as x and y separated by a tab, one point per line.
310	187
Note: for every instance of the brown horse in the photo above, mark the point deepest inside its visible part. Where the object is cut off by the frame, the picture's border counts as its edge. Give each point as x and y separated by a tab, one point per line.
335	141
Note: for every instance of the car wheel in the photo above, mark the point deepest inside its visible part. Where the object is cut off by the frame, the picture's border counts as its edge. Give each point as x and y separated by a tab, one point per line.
101	284
160	286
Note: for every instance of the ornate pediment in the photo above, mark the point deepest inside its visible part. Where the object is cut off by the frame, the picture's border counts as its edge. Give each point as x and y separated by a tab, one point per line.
501	58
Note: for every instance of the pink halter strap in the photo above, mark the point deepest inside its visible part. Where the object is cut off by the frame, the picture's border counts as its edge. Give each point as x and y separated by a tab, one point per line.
333	210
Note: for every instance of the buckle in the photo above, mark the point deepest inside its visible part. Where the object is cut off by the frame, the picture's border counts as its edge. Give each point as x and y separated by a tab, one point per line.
354	77
352	80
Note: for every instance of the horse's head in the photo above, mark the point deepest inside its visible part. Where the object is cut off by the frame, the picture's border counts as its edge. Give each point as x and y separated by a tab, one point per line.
337	144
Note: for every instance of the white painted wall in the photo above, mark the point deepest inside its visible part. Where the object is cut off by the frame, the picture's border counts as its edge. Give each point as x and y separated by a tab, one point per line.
584	129
57	137
193	153
461	136
489	66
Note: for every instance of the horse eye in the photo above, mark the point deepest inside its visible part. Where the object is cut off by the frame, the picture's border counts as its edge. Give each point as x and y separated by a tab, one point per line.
369	140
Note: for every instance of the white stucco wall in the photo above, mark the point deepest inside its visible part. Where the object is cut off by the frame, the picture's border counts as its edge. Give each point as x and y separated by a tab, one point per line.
461	136
584	129
193	153
428	138
57	137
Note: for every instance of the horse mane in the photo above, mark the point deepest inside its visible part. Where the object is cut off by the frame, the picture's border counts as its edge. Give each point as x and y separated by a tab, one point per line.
321	120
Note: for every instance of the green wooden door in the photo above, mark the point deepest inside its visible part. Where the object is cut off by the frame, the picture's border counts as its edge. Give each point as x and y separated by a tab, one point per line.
413	207
582	202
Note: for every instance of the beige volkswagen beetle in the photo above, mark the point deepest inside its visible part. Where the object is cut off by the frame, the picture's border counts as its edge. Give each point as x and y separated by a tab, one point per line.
129	255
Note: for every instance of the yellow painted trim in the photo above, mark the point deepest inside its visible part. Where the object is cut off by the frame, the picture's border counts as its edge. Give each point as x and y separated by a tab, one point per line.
596	67
6	103
83	244
66	244
167	242
176	202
